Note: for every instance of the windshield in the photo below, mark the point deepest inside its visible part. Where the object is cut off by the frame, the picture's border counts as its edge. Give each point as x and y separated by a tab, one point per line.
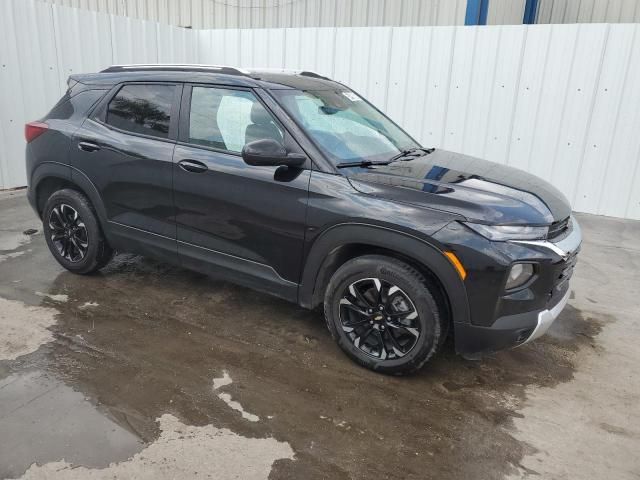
344	126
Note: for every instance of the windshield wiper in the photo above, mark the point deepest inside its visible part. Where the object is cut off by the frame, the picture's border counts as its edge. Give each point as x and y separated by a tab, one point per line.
405	156
412	153
362	163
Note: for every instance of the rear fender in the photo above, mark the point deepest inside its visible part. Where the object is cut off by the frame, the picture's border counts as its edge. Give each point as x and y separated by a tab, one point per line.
43	171
47	170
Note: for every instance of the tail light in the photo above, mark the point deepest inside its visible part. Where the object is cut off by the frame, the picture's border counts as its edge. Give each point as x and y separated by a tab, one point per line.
33	130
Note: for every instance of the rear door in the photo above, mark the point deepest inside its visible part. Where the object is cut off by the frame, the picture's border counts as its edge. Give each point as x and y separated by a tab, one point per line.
243	221
126	148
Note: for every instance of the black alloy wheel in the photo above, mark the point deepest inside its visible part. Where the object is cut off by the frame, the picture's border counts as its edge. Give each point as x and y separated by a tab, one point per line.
73	234
68	233
379	318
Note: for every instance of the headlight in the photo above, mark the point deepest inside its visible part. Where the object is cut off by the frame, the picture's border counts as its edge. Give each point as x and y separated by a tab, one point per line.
519	274
502	233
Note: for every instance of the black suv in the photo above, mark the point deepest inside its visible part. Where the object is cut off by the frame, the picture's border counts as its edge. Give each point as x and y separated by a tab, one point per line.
293	184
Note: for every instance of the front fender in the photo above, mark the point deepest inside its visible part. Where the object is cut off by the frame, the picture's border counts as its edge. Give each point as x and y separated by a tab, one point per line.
420	250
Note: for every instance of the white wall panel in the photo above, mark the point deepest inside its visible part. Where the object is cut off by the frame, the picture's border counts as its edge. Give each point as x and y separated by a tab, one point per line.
435	82
587	11
199	14
580	96
505	12
504	87
524	130
459	88
560	101
605	117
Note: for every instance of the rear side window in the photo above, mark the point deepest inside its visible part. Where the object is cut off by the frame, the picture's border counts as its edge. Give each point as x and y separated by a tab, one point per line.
144	109
228	119
74	108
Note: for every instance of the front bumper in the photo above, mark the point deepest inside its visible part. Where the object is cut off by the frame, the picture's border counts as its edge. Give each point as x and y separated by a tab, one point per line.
517	323
508	331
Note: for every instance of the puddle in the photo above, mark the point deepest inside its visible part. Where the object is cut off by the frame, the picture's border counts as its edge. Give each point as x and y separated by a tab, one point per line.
51	431
43	420
183	451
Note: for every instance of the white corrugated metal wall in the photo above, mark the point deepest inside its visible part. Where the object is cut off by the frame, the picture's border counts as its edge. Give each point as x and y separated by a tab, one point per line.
561	101
354	13
505	12
588	11
283	13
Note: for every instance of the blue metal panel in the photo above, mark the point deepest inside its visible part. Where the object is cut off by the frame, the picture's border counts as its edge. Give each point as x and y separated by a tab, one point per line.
473	12
530	10
484	10
476	12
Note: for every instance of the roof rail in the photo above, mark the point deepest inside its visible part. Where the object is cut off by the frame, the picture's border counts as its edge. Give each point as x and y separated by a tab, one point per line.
307	73
304	73
141	67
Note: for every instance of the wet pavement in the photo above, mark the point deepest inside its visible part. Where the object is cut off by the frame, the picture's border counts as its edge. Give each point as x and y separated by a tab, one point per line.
151	371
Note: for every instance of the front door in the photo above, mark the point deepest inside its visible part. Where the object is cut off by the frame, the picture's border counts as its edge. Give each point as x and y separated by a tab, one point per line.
126	150
242	221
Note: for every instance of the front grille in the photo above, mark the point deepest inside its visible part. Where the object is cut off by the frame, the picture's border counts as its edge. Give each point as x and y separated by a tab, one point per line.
558	228
562	274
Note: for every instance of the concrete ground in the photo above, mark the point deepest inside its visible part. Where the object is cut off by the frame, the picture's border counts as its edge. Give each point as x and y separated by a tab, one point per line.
146	370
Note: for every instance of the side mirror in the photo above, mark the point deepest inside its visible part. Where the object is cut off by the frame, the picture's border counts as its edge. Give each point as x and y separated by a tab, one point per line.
269	152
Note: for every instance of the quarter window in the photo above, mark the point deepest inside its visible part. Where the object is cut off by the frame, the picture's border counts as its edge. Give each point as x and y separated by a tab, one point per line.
228	119
142	109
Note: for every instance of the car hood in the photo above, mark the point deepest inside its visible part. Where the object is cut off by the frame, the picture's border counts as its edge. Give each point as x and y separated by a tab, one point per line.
476	189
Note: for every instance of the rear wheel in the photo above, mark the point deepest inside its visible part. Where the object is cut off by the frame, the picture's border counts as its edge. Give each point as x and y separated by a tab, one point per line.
73	233
383	314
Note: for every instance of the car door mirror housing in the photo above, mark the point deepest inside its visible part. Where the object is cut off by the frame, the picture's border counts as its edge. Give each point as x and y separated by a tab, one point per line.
269	152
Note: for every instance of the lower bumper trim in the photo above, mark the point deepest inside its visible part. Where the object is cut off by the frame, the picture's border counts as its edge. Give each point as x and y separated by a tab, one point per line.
547	317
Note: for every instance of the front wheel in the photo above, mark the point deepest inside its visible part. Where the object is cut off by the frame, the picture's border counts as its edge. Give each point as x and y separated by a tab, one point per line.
384	315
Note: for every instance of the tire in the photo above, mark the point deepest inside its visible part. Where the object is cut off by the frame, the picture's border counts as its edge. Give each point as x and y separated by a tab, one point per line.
410	314
69	220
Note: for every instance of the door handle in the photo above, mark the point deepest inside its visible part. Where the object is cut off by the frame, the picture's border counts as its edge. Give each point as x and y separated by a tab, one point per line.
193	166
88	146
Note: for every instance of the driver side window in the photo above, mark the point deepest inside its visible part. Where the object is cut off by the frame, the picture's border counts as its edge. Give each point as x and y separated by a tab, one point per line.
228	119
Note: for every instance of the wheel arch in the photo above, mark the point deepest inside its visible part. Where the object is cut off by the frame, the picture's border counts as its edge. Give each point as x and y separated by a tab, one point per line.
50	177
343	242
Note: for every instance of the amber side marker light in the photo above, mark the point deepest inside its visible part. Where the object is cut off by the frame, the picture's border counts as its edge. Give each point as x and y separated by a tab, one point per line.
457	264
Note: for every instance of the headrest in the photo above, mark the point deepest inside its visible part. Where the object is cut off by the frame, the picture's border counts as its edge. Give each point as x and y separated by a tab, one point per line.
259	115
